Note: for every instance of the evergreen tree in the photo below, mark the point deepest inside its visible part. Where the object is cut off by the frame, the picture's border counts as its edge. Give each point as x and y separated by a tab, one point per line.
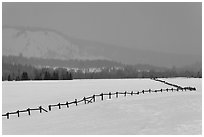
70	76
24	76
55	76
9	77
47	76
17	78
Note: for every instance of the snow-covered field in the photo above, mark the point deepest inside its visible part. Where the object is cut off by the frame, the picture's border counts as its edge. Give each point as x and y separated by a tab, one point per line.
149	113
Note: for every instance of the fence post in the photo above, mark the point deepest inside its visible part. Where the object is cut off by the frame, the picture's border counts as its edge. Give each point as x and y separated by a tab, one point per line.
28	111
49	107
18	113
172	89
125	93
167	89
131	93
84	100
94	98
149	90
7	115
59	105
67	104
116	94
143	91
109	95
161	89
101	96
40	109
76	101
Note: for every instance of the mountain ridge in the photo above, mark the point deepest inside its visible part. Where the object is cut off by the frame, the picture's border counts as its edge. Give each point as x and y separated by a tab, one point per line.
50	43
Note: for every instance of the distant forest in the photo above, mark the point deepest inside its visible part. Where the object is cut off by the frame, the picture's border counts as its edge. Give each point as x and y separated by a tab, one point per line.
131	72
15	71
20	72
72	63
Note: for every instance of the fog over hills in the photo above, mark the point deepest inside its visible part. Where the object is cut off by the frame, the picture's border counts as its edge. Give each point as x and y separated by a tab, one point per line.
52	44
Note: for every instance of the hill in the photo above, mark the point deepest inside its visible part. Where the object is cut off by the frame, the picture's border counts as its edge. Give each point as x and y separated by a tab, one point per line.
52	44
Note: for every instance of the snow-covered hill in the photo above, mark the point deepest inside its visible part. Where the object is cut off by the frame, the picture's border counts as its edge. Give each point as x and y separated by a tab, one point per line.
40	43
149	113
47	43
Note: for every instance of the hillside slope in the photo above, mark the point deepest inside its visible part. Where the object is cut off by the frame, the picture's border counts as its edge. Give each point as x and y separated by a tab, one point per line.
46	43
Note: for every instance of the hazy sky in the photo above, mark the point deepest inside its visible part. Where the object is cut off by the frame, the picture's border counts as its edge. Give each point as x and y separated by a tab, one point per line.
169	27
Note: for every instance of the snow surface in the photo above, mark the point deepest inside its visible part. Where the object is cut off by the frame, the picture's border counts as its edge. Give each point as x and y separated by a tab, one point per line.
149	113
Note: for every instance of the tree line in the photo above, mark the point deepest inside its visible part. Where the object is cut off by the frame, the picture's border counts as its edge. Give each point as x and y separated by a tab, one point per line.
28	72
72	63
20	72
132	72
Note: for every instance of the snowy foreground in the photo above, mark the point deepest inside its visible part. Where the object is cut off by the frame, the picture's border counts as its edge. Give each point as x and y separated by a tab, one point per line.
149	113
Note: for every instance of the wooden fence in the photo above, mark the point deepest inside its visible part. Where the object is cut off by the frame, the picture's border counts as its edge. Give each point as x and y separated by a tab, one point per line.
91	99
174	85
26	110
101	96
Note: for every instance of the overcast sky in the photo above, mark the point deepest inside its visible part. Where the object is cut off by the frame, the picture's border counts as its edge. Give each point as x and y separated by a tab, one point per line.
168	27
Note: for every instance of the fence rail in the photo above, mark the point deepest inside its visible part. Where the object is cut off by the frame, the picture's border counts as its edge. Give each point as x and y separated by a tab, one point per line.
101	96
26	110
109	95
174	85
